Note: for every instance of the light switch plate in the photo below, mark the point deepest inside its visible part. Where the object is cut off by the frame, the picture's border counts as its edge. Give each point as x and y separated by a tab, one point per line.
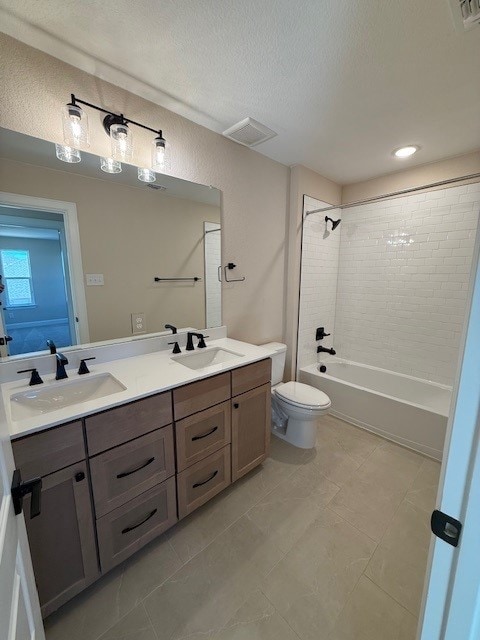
138	322
94	279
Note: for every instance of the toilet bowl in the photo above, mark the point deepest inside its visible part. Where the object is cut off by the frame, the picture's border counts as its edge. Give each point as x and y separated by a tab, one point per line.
296	407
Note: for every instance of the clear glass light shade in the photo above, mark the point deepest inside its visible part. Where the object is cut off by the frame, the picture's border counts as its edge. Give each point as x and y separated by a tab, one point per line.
158	154
122	142
146	175
75	126
109	165
67	154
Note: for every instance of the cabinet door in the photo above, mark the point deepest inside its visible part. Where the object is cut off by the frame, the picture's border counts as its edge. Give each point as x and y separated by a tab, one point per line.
250	430
62	539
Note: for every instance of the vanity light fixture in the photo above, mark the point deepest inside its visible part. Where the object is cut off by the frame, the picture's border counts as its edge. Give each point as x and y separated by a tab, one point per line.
116	125
75	126
146	175
122	142
67	154
109	165
406	152
158	154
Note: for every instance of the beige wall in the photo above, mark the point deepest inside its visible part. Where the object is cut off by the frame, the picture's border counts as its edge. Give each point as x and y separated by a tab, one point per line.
35	86
415	177
303	181
129	235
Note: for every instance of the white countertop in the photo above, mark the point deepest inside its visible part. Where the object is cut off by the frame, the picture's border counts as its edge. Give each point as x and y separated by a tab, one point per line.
142	376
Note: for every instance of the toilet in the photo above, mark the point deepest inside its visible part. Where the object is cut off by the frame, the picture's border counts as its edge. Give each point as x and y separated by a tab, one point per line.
300	405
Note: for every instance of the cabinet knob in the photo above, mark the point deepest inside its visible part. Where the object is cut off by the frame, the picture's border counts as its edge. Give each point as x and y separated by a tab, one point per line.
235	405
79	476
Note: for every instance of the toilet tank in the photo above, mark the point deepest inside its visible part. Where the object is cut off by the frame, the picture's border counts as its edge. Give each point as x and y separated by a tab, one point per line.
278	353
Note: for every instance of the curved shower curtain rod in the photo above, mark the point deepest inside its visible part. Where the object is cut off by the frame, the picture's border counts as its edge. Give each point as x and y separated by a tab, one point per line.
393	193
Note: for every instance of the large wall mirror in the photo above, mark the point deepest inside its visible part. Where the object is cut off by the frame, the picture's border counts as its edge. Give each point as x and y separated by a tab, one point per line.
87	256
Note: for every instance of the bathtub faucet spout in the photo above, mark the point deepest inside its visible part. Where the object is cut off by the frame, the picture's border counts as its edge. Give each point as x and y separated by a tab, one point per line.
321	349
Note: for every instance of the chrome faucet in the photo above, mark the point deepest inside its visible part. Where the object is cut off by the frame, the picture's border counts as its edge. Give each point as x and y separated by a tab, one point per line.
61	362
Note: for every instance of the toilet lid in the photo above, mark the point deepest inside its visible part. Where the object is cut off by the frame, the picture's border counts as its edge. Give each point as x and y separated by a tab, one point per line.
302	395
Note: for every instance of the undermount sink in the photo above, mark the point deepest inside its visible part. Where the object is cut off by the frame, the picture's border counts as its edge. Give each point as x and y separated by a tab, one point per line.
57	395
207	358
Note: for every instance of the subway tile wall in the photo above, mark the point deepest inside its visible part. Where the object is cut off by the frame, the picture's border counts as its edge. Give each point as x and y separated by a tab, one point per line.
213	287
403	279
320	253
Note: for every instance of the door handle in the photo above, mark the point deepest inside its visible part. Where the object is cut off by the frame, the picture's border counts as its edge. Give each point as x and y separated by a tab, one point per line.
20	489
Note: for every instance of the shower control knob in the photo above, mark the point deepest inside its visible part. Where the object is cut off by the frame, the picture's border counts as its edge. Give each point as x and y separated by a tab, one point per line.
320	333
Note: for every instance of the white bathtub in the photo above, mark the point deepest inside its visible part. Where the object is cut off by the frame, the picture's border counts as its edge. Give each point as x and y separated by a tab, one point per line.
407	410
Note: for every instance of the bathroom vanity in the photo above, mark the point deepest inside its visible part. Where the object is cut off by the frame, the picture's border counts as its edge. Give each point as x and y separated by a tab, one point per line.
113	479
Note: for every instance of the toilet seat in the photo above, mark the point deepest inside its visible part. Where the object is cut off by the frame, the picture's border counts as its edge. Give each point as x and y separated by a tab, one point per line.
302	396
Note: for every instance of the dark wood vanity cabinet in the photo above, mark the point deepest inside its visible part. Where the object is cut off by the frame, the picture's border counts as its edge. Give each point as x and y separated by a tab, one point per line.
120	478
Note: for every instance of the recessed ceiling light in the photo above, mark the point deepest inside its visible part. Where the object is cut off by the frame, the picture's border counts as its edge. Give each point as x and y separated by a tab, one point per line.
406	152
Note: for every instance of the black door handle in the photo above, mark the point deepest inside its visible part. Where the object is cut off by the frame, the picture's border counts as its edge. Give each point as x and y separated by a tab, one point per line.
124	474
139	524
199	484
204	435
21	489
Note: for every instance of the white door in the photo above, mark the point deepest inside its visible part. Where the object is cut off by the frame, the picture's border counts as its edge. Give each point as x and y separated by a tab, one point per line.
20	617
451	609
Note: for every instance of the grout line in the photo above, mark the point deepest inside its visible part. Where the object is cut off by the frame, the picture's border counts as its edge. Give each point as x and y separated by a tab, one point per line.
142	604
278	612
392	598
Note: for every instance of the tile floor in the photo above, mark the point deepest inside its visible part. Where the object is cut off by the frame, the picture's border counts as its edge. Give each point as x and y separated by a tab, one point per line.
329	544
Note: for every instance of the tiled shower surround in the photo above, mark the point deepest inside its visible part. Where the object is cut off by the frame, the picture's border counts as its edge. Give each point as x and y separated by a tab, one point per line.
401	282
213	287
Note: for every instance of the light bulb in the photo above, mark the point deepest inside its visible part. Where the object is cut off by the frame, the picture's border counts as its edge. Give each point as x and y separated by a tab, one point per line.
109	165
67	154
122	143
405	152
158	154
146	175
75	126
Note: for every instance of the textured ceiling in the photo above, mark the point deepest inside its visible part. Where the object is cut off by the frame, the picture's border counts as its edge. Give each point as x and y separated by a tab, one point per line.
342	83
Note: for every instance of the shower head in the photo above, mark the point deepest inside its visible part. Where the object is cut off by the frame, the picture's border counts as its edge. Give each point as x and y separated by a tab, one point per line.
335	223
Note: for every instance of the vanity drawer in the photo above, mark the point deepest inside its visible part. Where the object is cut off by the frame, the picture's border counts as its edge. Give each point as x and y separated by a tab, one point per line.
126	529
126	471
48	451
251	376
202	434
199	483
200	395
116	426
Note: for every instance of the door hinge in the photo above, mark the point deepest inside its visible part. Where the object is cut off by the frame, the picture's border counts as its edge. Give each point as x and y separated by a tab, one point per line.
21	489
446	528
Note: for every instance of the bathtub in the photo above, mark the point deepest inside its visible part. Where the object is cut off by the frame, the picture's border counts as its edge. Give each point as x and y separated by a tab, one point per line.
407	410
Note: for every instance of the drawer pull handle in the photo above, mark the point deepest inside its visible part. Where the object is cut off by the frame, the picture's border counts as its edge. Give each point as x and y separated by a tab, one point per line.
204	435
124	474
199	484
135	526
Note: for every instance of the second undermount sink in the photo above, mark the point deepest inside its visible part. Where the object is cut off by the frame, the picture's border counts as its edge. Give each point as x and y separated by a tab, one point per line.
208	358
57	395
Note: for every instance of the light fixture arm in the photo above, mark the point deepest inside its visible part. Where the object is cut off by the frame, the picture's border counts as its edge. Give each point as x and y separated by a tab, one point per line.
113	118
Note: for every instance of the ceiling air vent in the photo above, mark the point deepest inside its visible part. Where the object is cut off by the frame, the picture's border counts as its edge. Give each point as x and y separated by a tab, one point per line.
466	13
249	132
